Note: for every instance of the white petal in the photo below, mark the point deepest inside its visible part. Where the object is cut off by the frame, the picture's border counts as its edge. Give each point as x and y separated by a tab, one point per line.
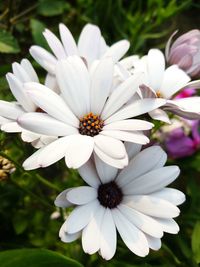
129	125
121	95
108	241
89	43
168	225
101	81
55	44
135	137
174	79
152	206
20	73
73	80
67	238
152	181
132	149
61	200
50	102
4	120
26	65
11	127
68	40
154	243
44	124
134	239
143	222
160	115
156	67
28	136
89	174
79	150
106	172
137	108
148	159
80	217
92	232
53	152
10	110
51	82
44	58
82	195
117	50
117	163
110	146
172	195
31	163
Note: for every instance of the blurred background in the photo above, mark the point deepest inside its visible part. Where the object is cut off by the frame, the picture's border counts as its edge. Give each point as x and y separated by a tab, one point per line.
28	217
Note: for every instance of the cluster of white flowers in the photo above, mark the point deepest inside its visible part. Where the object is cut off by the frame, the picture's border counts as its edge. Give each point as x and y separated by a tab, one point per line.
87	112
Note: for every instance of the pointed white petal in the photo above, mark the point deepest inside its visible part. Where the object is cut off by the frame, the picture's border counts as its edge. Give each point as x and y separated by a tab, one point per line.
42	123
172	195
101	81
28	136
122	94
80	217
20	73
141	221
92	232
10	110
108	238
61	200
106	172
44	58
89	43
73	80
129	125
68	40
154	243
51	82
26	65
31	163
67	238
135	109
135	137
79	150
134	239
50	102
152	206
55	44
168	225
82	195
89	174
152	181
148	159
132	149
160	115
117	50
11	127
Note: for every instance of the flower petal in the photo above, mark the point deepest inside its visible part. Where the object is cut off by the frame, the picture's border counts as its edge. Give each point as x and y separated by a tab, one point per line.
81	195
172	195
132	149
10	110
117	50
67	238
61	200
79	150
26	65
68	40
154	243
168	225
129	125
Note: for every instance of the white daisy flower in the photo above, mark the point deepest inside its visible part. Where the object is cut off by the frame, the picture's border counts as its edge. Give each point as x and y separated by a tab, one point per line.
10	111
86	116
165	83
91	46
134	201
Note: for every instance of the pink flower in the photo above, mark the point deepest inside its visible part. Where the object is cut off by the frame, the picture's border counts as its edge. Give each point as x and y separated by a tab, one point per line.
180	144
186	93
185	52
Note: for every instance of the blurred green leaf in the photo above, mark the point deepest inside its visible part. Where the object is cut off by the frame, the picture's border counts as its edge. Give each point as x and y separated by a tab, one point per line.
35	258
52	8
20	222
196	242
8	44
37	27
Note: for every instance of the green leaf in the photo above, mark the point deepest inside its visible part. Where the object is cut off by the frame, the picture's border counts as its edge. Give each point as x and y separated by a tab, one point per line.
8	44
37	28
35	258
20	222
196	242
51	7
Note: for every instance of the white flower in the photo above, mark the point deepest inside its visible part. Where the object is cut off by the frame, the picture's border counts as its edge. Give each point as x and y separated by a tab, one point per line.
165	83
10	111
91	46
134	201
86	116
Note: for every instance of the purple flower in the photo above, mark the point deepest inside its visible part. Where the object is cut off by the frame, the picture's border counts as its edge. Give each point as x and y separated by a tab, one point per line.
180	144
186	93
185	52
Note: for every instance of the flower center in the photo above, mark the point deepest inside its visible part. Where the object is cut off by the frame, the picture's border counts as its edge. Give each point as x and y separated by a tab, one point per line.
109	195
159	94
90	124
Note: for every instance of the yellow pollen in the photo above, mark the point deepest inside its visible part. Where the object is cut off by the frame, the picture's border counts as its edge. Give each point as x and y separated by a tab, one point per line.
90	124
159	94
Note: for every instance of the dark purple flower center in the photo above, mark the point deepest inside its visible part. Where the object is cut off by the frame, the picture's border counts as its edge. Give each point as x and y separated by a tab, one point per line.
90	124
110	195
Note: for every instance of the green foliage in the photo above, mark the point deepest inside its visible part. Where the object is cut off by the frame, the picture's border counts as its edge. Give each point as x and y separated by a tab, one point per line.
196	242
35	257
8	44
